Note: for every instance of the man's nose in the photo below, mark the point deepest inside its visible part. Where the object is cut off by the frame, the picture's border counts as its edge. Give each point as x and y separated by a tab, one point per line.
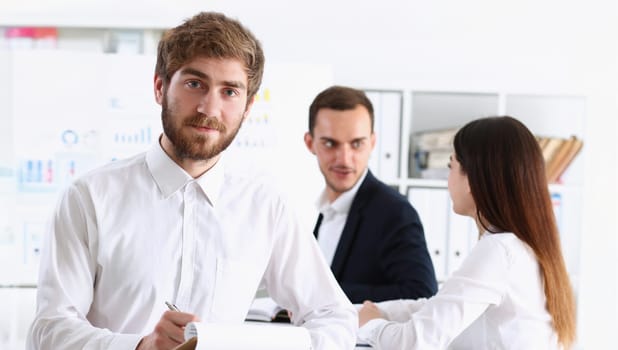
344	153
210	104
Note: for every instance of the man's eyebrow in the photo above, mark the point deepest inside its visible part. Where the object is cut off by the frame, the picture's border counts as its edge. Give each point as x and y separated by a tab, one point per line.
358	139
192	71
324	138
235	84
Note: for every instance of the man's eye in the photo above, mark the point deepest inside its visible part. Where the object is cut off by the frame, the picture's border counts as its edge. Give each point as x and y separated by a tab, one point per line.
448	165
194	84
328	144
356	144
229	92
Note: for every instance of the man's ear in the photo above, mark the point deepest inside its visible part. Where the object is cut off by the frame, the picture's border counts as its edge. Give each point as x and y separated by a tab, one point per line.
309	142
372	140
158	89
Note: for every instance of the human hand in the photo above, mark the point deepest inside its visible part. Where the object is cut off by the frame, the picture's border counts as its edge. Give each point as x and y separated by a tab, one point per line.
168	333
368	312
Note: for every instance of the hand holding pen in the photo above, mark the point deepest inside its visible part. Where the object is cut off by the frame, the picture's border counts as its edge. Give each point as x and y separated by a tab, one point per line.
169	331
172	307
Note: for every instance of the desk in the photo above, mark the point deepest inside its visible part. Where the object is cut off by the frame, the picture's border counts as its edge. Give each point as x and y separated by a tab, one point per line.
266	324
257	335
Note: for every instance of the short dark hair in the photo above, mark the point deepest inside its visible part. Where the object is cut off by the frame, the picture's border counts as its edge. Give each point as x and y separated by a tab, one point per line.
213	35
340	98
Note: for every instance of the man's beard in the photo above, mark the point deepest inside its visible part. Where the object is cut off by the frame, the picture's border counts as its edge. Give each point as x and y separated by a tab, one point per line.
194	147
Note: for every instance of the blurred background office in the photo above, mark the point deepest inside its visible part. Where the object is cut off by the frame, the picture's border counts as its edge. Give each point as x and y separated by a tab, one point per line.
75	92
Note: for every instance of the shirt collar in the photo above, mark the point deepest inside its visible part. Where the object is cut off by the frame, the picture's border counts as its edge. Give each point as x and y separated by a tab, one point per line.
170	177
343	203
211	181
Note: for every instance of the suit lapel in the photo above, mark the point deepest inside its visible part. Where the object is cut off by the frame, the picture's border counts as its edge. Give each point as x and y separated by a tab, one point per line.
352	225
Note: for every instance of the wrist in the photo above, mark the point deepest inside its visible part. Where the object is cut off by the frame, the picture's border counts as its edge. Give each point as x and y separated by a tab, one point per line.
140	345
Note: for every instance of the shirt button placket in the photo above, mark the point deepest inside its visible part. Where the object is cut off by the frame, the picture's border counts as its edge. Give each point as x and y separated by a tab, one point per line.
188	244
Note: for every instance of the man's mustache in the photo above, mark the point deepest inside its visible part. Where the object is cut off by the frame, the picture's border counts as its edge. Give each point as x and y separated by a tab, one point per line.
201	121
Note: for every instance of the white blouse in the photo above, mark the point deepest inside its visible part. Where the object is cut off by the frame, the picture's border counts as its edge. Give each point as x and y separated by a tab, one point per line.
495	300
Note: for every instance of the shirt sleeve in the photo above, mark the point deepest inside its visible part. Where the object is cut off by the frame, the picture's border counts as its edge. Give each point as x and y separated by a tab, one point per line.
369	330
299	280
480	283
400	310
66	280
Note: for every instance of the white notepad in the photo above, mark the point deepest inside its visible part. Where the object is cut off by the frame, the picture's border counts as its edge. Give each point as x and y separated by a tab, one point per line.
258	336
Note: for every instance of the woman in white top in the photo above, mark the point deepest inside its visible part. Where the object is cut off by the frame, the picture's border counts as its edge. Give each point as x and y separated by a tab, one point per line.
512	291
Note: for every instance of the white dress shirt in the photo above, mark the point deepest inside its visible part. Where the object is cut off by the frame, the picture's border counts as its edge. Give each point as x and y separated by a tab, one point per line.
335	215
133	234
495	300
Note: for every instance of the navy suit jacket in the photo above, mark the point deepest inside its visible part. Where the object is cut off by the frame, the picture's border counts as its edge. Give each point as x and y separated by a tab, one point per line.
382	253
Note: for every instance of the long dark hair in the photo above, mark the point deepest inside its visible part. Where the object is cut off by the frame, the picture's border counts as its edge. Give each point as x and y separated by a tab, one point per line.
506	173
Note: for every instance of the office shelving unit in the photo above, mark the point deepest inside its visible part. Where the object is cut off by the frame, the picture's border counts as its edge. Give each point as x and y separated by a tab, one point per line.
449	235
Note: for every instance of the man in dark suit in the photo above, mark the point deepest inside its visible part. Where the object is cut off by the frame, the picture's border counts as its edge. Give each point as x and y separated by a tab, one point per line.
369	233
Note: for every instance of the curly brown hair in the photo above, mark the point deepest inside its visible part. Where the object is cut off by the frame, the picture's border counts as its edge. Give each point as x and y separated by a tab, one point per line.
212	35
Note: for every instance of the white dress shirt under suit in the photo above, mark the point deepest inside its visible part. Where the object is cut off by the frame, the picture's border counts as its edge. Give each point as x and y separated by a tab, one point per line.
495	300
131	235
335	216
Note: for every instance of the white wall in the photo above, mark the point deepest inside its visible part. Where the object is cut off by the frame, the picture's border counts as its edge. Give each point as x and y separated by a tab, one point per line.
542	46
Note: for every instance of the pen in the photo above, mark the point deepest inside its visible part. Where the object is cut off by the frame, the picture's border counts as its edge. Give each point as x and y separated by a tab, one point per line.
172	306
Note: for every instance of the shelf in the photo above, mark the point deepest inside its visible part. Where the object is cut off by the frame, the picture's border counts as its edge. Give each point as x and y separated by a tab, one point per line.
428	183
440	183
548	115
446	110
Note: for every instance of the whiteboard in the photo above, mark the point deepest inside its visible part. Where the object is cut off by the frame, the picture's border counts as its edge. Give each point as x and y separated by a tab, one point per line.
69	112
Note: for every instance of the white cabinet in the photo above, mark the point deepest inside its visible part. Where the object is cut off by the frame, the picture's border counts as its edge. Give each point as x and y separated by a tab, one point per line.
462	234
387	107
449	236
432	205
